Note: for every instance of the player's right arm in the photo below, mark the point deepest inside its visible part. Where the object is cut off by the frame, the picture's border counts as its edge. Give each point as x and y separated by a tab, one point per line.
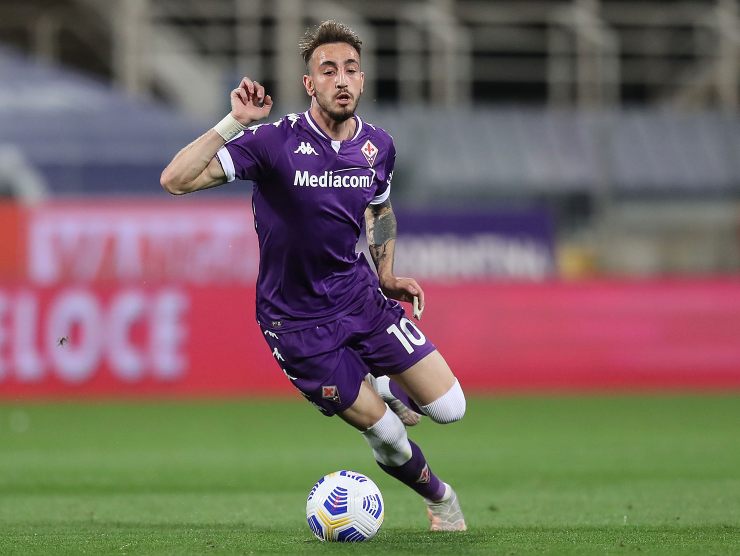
195	167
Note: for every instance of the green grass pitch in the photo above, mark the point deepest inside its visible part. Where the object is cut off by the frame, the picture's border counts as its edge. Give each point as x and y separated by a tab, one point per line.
535	475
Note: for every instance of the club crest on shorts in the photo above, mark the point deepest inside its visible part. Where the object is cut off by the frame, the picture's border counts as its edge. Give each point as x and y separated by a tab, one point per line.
424	475
370	151
330	393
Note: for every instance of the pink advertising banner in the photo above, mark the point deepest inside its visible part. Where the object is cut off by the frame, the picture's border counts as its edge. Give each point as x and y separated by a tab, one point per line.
157	299
174	340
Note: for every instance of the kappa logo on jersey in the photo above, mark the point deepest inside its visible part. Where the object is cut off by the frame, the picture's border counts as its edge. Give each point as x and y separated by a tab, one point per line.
276	354
271	334
370	151
424	476
330	393
306	148
289	376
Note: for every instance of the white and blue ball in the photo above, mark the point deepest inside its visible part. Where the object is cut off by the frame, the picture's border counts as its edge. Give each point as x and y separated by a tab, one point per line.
345	506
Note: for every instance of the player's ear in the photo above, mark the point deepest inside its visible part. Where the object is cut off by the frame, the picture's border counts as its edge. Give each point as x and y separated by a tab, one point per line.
308	84
362	81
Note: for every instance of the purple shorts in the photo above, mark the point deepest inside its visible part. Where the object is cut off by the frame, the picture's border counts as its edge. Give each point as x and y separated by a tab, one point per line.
328	362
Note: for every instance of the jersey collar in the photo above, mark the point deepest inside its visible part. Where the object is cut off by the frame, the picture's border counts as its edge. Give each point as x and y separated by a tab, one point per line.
317	129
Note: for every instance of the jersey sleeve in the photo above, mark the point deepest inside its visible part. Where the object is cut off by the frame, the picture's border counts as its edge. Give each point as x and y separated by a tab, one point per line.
247	156
384	185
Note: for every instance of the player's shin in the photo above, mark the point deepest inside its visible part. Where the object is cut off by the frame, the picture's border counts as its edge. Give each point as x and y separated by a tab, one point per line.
398	400
401	458
417	475
400	394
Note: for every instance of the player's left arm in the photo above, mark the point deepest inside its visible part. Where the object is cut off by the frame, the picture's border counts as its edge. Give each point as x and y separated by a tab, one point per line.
380	223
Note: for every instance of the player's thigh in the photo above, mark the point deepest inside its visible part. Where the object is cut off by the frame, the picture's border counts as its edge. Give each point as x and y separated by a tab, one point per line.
386	339
367	409
392	344
427	380
327	373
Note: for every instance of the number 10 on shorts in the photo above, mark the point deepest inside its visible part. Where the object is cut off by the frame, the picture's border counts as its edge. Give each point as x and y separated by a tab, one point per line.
407	334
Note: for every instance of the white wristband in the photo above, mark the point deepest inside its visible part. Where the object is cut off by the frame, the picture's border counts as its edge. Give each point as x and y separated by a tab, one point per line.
229	127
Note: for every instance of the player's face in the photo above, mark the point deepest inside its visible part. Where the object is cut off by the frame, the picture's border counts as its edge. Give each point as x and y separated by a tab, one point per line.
335	79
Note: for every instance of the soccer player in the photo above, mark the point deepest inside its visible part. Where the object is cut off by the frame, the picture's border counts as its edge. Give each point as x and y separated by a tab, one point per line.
327	318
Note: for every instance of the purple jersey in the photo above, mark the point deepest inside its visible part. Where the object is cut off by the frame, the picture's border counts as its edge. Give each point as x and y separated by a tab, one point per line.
309	199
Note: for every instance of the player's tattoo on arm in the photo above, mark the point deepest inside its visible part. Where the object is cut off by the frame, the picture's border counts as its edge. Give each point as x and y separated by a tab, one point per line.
381	235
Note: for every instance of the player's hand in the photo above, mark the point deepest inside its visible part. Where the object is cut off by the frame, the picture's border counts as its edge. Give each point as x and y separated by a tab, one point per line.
249	102
403	289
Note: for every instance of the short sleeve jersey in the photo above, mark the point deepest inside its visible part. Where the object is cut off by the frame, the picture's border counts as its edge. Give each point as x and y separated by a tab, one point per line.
309	199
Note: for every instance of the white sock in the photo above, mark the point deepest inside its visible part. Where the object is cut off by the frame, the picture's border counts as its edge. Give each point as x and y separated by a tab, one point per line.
383	387
449	407
388	440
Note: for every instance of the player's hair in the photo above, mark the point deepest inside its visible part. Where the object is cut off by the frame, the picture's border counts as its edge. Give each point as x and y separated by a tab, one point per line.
327	32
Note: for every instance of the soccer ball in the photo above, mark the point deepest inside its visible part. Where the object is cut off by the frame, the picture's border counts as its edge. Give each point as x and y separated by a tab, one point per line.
345	506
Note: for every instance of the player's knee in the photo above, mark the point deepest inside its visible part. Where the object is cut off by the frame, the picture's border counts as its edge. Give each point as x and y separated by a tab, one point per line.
449	407
388	440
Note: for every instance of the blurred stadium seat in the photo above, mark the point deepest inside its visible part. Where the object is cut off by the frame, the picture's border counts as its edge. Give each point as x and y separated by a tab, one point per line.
86	130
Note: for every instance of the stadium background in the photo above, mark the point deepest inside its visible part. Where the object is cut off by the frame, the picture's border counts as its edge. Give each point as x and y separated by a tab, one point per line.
567	186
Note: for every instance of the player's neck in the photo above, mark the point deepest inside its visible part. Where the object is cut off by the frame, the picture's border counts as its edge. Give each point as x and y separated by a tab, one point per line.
338	131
